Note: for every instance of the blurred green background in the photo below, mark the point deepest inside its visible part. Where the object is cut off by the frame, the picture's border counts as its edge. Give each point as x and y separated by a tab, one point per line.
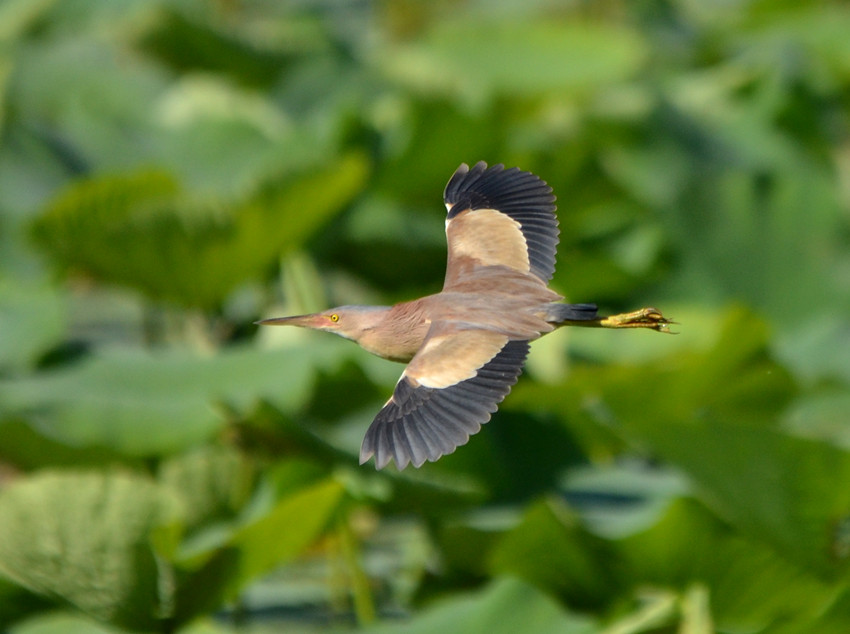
173	170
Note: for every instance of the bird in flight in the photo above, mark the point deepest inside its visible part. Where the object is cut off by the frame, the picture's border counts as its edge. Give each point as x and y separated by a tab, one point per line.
466	345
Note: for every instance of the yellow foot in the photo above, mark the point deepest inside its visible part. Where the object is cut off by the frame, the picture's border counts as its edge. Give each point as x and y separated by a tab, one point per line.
644	318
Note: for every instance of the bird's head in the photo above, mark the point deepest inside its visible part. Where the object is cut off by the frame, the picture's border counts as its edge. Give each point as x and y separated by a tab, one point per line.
346	321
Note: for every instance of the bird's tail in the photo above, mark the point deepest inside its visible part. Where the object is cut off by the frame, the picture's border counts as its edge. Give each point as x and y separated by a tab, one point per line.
563	314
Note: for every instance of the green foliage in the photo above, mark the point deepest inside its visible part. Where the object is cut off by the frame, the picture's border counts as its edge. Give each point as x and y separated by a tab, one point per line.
113	554
172	171
507	605
110	226
253	549
98	558
30	318
128	400
475	58
553	551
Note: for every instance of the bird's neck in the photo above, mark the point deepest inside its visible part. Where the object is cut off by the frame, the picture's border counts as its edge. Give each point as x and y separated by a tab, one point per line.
397	332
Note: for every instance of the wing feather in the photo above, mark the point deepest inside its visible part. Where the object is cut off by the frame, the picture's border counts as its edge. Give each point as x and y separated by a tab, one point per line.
422	423
521	196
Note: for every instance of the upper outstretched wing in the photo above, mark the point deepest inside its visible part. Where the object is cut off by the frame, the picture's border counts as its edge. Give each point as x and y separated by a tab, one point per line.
500	217
435	408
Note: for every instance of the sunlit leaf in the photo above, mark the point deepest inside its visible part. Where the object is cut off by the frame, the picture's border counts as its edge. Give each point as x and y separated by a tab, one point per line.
63	623
141	403
285	531
715	416
735	377
292	525
214	481
506	606
772	487
82	102
819	29
110	226
751	586
85	539
523	57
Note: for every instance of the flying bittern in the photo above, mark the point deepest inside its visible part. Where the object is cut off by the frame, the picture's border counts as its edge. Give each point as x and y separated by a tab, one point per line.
465	346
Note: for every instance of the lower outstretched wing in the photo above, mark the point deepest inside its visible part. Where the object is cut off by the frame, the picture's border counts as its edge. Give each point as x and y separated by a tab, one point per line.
423	422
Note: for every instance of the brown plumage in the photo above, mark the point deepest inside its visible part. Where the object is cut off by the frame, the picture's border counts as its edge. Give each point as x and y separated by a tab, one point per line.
465	346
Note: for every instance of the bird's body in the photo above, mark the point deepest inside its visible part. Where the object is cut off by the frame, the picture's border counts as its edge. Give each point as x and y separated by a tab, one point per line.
524	316
465	346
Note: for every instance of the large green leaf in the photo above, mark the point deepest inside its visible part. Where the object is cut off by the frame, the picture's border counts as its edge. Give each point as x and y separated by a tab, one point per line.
615	501
771	486
831	621
716	416
189	43
18	603
30	320
293	524
506	606
282	534
63	623
752	587
817	29
824	415
466	57
85	538
215	481
141	403
735	377
17	16
28	449
816	352
551	549
143	231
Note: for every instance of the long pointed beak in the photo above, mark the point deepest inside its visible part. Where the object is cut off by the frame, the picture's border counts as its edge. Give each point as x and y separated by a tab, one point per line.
304	321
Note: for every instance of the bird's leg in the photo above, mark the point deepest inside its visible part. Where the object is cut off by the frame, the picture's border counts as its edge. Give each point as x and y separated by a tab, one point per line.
643	318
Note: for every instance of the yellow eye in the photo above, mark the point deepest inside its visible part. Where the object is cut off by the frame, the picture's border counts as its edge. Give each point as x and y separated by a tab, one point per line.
334	318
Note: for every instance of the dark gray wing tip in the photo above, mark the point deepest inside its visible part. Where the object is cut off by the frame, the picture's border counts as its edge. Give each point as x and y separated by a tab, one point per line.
463	178
422	424
508	190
